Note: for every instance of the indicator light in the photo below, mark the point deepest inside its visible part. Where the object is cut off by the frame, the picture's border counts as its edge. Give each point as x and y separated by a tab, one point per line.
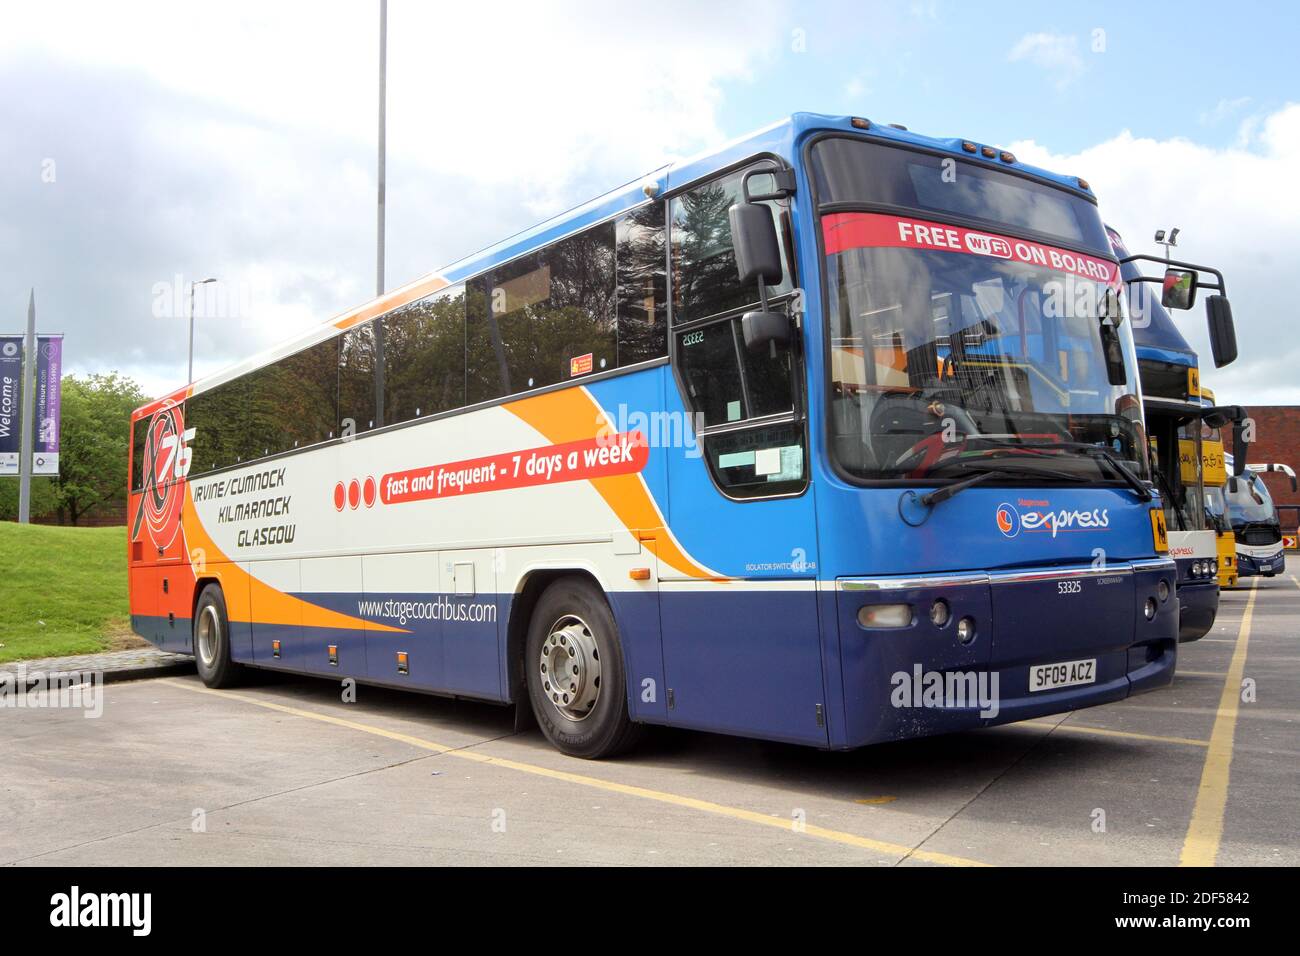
1149	609
1162	589
858	122
885	615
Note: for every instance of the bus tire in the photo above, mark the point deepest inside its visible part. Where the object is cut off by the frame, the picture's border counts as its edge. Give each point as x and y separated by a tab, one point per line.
577	681
212	639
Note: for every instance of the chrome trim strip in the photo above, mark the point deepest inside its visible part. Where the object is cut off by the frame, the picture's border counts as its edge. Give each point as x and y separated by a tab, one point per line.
919	581
1054	574
1154	564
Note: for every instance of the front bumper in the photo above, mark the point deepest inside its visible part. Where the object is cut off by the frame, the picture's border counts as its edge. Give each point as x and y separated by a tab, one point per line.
1198	605
909	682
1249	565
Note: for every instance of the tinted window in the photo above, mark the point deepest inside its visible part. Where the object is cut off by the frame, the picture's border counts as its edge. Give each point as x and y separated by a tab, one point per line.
358	408
424	357
291	402
856	171
705	281
544	318
725	382
710	369
218	419
642	298
486	373
138	432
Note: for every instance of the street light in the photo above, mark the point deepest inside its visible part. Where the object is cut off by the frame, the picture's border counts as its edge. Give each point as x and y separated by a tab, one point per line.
1169	242
190	378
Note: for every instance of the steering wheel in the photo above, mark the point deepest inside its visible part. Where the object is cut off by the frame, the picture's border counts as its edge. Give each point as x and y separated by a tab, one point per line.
905	424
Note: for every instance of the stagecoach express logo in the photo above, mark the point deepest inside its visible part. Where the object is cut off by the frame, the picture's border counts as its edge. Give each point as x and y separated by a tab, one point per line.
1038	516
166	461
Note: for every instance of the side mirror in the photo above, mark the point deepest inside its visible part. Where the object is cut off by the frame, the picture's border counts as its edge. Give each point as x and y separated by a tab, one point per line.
1223	334
1219	416
1179	289
1238	448
753	238
765	329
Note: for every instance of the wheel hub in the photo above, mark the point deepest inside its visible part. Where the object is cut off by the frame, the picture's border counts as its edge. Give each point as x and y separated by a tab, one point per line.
570	668
209	630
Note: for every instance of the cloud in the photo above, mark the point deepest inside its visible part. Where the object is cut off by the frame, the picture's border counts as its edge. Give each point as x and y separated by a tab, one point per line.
1239	211
1056	53
239	141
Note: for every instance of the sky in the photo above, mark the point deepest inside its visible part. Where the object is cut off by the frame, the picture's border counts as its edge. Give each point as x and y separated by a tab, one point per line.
146	145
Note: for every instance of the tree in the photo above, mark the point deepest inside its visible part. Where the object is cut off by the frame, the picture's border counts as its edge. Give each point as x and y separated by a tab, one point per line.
94	442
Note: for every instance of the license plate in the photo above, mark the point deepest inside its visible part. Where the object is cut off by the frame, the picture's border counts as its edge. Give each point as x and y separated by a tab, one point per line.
1065	674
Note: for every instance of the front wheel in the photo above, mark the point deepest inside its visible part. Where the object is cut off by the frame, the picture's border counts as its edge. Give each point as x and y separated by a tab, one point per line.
577	682
212	639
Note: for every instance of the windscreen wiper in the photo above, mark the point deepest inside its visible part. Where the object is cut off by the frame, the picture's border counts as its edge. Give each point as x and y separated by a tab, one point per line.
940	495
1096	452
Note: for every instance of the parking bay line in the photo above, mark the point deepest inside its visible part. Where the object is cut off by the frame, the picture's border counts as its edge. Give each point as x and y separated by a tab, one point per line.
673	799
1205	829
1103	732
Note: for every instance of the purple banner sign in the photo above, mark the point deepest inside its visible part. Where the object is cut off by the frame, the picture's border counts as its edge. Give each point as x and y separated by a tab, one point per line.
11	409
49	402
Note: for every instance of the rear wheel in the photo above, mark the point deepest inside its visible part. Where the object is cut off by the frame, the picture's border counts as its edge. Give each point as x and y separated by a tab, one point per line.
577	681
212	639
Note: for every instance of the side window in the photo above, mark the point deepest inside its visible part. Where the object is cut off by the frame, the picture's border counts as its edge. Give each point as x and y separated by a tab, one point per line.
292	403
545	318
358	409
139	429
486	372
642	285
424	357
745	402
218	419
705	282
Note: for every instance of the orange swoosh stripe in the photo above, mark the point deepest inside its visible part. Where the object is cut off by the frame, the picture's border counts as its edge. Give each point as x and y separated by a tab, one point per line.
571	414
385	303
244	592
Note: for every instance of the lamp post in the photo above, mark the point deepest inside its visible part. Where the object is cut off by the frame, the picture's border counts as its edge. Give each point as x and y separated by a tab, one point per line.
1169	242
190	377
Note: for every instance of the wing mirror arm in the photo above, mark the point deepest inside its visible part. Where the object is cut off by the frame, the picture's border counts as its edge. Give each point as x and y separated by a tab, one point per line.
758	258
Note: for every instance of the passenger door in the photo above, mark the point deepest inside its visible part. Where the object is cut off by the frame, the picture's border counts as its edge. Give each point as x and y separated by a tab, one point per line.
742	648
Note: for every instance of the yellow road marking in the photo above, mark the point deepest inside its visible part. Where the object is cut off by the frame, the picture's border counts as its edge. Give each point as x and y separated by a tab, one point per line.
1201	845
1103	732
673	799
875	801
1294	580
